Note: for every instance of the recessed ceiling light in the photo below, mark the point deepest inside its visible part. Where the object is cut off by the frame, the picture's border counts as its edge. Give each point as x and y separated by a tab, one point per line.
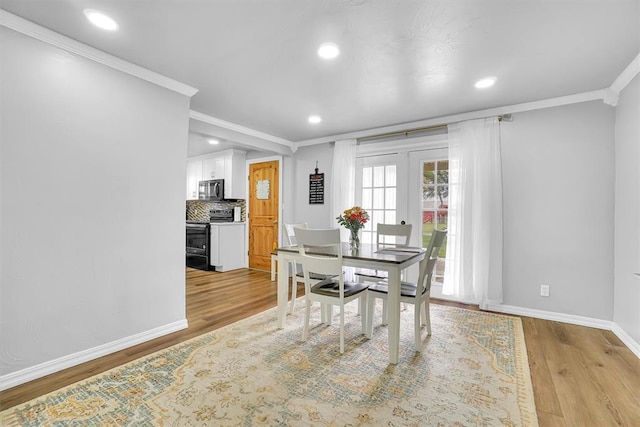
485	83
328	50
213	141
101	20
315	119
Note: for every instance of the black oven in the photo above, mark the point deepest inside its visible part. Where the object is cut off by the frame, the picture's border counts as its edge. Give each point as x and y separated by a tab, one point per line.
221	215
197	250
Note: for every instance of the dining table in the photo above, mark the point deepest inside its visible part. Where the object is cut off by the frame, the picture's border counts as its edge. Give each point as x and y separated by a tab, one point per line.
393	260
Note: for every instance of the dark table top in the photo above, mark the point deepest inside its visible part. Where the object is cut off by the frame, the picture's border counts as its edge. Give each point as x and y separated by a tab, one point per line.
370	252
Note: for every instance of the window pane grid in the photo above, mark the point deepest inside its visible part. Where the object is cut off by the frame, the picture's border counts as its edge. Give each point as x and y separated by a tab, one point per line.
435	203
378	198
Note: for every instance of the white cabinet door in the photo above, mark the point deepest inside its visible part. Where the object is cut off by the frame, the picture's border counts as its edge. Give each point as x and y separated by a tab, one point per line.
227	247
235	178
213	168
228	165
214	245
194	176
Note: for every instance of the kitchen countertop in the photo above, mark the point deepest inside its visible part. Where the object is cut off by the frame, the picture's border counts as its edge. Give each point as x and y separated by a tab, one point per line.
228	223
216	223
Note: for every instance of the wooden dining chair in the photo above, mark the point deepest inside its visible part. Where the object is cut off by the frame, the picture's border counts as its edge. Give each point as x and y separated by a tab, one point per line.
333	291
417	293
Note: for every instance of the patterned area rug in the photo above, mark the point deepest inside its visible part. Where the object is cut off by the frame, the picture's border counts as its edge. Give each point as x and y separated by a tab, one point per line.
473	371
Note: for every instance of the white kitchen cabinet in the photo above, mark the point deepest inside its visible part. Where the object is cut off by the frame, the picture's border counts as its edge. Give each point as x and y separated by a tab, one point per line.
227	246
228	165
194	176
213	168
235	174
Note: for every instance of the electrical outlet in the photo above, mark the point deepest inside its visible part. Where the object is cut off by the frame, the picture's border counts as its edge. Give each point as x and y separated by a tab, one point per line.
544	290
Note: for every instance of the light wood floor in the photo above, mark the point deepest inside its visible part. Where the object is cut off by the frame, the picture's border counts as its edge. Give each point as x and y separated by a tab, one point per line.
581	376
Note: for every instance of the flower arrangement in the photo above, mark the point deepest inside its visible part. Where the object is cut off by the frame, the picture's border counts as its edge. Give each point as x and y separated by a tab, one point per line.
353	219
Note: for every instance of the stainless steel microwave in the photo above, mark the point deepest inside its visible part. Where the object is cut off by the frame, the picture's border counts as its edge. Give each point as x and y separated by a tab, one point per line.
212	189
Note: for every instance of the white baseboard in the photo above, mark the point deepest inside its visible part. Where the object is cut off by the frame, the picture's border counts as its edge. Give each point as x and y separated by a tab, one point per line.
626	339
34	372
436	292
571	319
550	315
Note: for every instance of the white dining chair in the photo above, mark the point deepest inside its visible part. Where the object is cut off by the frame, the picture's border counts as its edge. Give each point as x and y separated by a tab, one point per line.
417	293
333	291
387	236
296	271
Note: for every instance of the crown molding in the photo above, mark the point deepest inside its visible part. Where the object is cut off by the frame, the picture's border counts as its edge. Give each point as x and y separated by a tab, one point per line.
443	120
35	31
195	115
627	75
613	92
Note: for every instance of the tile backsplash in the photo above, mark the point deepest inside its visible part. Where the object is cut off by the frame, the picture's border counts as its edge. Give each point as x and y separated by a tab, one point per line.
198	210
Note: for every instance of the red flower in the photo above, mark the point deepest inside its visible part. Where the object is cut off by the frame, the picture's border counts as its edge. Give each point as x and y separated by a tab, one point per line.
354	218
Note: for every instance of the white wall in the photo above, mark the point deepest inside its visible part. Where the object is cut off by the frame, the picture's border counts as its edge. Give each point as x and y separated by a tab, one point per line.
558	173
92	167
626	312
317	216
558	177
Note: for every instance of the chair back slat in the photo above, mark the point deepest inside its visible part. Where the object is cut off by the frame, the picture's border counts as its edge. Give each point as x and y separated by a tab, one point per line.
318	238
324	265
328	262
428	263
325	241
388	235
290	233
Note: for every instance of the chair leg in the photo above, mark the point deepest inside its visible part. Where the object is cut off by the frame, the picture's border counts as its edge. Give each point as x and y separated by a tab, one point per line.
294	292
274	262
427	316
328	313
416	326
307	314
342	329
294	285
294	289
360	280
362	305
371	301
385	318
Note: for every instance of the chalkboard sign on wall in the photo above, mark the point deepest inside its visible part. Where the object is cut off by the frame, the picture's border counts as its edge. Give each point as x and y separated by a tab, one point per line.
316	188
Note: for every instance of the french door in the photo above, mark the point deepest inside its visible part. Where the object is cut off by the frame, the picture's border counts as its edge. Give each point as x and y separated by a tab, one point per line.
410	185
429	170
381	190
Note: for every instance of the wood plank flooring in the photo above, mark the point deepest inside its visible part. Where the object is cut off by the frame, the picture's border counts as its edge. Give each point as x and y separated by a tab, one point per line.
581	376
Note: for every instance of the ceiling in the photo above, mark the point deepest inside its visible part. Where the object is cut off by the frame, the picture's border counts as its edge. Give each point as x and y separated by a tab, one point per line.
255	65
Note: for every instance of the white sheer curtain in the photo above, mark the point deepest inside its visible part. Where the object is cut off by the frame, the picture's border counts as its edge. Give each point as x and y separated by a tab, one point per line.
343	181
474	240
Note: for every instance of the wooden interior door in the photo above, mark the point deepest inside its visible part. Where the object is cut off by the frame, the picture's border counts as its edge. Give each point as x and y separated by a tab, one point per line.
264	204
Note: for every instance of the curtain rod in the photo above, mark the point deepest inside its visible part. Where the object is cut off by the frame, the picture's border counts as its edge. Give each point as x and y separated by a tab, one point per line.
410	131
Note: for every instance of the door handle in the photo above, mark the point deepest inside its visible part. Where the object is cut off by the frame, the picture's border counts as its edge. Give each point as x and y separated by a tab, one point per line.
275	222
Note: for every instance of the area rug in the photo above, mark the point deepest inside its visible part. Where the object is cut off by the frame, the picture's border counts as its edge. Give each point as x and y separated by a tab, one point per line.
472	371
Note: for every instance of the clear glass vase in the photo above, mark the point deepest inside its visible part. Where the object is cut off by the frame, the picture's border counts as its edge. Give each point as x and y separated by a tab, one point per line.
354	240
